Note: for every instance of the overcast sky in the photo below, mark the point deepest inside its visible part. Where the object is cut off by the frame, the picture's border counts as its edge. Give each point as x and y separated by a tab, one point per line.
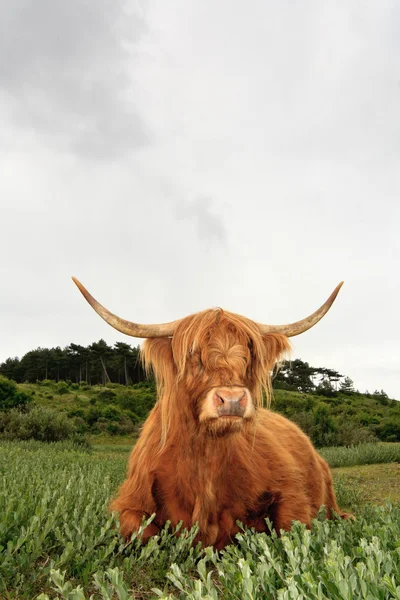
180	155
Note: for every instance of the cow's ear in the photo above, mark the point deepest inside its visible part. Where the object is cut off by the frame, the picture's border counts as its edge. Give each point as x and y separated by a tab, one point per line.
277	346
157	358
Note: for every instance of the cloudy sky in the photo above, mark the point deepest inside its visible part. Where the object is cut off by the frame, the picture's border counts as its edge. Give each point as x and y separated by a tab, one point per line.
181	155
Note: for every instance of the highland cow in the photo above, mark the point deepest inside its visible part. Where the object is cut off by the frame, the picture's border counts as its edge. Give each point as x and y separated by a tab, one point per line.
209	453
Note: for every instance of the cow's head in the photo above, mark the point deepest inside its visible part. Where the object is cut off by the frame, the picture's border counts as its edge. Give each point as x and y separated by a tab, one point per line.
221	363
212	368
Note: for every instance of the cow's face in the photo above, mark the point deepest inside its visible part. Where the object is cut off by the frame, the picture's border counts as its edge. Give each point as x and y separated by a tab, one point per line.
224	364
213	371
219	376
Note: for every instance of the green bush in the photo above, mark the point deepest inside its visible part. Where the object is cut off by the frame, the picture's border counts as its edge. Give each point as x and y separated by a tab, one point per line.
305	420
38	423
77	412
10	397
62	388
137	400
350	434
47	383
325	429
106	396
389	432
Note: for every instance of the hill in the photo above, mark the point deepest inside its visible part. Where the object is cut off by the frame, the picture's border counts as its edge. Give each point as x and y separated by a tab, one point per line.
114	409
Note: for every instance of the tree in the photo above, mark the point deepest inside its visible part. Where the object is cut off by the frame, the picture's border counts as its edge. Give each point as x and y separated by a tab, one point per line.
296	375
77	357
11	369
123	352
101	352
347	386
326	388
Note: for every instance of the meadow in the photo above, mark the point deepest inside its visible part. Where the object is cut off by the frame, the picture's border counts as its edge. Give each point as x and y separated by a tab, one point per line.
58	540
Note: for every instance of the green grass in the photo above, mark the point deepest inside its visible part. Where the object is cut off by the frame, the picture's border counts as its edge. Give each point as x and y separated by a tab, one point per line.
58	540
364	454
374	484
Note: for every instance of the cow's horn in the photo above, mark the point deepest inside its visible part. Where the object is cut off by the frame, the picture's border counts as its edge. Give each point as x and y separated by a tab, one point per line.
293	329
133	329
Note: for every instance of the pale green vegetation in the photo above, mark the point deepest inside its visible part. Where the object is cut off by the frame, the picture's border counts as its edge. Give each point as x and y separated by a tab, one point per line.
58	540
363	454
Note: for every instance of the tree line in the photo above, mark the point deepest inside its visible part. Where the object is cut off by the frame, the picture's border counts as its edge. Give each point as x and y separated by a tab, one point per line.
100	363
97	363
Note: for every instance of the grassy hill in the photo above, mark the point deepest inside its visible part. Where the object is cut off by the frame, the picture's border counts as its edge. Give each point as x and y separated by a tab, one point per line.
118	410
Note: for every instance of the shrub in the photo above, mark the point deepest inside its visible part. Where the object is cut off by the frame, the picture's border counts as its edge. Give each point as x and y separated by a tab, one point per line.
350	434
389	432
38	423
77	412
124	427
106	395
62	388
138	401
305	420
80	424
10	397
110	413
324	430
47	383
93	414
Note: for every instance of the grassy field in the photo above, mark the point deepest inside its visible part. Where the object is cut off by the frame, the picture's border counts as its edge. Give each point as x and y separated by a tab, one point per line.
374	483
57	539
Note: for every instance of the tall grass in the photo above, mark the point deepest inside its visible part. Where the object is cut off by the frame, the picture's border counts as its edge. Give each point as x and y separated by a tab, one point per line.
364	454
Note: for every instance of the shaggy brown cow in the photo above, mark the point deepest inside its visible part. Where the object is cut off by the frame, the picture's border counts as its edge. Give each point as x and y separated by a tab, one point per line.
208	452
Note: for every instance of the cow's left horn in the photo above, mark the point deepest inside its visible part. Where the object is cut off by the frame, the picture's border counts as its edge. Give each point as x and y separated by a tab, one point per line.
127	327
293	329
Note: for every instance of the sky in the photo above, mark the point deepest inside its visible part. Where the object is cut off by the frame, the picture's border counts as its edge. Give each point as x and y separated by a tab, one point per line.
176	156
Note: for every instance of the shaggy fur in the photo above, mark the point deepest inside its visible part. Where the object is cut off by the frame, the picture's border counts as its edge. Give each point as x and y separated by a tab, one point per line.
191	465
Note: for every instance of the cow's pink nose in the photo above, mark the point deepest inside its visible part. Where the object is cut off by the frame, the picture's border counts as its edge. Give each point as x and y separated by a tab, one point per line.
230	402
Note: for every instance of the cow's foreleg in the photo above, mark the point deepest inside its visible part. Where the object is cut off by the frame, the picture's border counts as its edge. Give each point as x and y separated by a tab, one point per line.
135	501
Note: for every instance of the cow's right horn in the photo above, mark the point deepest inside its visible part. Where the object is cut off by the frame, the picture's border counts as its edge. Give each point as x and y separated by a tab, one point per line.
298	327
133	329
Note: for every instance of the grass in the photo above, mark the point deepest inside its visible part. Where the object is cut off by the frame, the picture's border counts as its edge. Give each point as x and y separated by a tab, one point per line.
112	441
374	484
57	539
364	454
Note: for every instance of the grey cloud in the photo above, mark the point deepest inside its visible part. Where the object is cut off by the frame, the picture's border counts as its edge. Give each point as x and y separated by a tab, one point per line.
64	73
294	136
209	226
